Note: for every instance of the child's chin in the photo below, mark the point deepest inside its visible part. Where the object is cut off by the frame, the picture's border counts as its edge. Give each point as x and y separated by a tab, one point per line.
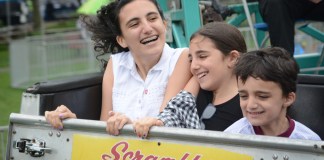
255	122
204	86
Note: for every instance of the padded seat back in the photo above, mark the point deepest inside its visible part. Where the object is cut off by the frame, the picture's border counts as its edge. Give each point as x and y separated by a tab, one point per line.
81	94
309	105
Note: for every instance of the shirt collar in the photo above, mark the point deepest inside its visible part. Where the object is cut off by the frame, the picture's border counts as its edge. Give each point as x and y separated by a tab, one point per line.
287	133
164	57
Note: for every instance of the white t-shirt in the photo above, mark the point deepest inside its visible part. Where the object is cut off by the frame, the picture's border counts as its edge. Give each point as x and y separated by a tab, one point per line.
131	94
300	131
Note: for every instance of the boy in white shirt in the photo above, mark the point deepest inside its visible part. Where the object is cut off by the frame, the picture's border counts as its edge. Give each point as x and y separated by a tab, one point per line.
267	88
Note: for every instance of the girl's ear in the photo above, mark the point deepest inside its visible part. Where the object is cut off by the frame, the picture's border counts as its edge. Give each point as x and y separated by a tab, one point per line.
165	24
290	99
121	41
232	58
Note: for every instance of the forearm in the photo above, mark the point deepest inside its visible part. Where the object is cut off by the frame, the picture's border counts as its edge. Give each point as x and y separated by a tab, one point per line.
107	85
192	87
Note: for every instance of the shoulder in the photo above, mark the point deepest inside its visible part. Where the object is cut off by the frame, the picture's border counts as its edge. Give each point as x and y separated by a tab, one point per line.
170	49
122	59
241	126
120	56
176	60
184	52
175	51
204	97
233	106
233	103
180	57
303	132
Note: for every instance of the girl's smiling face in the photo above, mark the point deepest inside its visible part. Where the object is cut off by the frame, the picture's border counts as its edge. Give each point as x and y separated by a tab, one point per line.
208	64
143	30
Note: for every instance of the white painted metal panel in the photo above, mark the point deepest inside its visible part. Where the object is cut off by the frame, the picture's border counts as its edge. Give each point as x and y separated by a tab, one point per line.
59	143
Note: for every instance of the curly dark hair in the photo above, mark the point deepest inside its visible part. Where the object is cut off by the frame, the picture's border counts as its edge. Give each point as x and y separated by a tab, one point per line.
105	27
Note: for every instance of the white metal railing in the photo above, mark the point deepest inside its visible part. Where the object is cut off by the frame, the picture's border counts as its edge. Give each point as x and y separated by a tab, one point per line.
248	37
87	139
3	133
42	58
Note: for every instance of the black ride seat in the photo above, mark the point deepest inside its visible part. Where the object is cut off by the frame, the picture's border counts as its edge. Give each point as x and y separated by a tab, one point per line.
83	96
309	105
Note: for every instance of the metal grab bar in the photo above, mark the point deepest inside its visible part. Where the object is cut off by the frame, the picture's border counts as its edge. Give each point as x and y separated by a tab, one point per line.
3	129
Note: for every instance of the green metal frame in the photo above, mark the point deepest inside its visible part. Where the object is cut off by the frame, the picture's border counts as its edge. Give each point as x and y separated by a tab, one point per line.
313	32
184	21
254	9
240	17
309	63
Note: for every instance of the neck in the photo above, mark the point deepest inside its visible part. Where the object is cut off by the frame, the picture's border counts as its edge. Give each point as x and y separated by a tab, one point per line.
226	91
145	64
276	128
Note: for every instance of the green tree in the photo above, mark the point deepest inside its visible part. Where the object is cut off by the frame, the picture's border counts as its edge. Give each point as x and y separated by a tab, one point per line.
37	19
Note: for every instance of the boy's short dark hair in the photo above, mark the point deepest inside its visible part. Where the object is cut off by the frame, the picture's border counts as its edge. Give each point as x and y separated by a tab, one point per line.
269	64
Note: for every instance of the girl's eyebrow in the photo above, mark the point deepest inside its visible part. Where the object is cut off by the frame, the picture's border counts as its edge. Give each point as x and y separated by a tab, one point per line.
200	51
242	91
136	18
151	13
132	20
